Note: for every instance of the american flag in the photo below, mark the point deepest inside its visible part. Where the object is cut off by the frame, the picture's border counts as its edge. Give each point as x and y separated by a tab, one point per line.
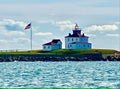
28	26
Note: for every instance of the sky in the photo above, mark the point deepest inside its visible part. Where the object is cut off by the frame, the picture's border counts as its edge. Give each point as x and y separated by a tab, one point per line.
55	19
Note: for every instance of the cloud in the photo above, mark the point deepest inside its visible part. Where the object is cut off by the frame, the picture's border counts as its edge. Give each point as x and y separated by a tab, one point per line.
43	33
47	21
14	33
15	40
12	25
113	35
112	27
65	24
90	35
10	34
3	41
117	23
20	40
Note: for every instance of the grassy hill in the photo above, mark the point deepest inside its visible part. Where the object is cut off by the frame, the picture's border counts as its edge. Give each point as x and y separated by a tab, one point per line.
65	52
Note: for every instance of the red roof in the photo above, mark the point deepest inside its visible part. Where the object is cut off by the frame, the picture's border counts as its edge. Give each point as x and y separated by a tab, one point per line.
54	41
49	43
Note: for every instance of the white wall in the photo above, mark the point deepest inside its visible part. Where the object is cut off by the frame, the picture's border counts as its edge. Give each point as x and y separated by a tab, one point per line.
47	47
59	45
83	39
69	40
79	46
52	47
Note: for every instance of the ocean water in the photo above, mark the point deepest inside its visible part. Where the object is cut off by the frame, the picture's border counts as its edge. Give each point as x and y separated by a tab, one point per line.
60	74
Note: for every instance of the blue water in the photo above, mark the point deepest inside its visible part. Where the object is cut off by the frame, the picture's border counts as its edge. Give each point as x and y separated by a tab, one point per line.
60	74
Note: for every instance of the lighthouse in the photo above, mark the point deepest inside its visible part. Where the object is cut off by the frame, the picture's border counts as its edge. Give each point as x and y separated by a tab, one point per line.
77	40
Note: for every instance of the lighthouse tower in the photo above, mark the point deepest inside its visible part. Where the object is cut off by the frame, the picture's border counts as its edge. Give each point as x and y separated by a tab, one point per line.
77	40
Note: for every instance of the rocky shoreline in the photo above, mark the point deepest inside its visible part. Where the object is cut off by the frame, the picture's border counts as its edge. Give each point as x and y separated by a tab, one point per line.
55	57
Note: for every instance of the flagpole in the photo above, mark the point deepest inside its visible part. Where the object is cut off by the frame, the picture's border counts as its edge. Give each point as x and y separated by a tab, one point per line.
31	38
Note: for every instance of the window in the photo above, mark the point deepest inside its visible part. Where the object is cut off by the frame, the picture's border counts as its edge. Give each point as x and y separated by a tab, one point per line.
68	39
76	39
81	39
72	39
44	47
83	45
48	47
70	45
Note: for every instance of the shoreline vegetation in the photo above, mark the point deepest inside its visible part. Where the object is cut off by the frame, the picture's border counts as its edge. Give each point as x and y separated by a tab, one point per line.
61	51
61	55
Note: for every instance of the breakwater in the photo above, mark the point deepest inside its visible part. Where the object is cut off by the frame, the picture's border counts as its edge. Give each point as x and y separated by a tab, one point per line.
55	57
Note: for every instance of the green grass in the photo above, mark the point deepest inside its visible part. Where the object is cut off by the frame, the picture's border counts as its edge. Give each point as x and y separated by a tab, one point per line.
70	52
65	52
23	52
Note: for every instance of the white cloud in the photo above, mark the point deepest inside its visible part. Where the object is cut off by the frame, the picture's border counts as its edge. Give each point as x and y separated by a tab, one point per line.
70	8
22	40
47	21
65	24
43	33
90	35
15	40
113	35
117	23
14	33
10	24
10	34
10	28
3	41
112	27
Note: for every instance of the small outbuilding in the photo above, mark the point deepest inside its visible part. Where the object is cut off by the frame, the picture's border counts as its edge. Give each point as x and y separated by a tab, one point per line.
53	45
